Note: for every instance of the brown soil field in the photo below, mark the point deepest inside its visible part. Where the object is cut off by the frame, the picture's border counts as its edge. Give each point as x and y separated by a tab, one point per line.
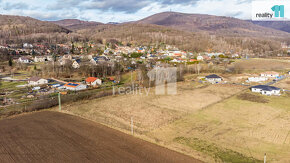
49	136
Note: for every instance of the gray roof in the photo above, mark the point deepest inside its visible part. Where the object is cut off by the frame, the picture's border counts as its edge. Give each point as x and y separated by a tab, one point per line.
213	76
34	78
266	87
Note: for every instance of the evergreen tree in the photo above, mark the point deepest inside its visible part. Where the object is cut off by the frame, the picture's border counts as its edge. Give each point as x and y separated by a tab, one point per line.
10	63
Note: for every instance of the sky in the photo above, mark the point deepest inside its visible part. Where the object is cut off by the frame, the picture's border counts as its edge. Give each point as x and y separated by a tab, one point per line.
121	11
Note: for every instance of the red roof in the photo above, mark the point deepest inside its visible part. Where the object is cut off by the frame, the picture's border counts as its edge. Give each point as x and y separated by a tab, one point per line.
91	79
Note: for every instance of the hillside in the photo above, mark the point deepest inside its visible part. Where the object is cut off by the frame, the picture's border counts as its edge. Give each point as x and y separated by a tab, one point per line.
14	29
75	24
219	25
147	34
279	25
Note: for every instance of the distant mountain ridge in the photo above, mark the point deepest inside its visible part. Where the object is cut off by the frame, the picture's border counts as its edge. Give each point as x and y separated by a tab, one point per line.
278	25
219	25
75	24
19	29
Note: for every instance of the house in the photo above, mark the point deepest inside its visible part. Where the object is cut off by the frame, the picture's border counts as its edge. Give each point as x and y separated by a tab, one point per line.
257	79
76	64
92	81
27	45
36	81
73	86
266	90
192	60
199	58
213	78
270	74
67	56
49	58
24	60
98	59
39	59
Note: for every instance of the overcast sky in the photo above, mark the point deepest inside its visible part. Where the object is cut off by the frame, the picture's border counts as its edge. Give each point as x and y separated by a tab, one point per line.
121	11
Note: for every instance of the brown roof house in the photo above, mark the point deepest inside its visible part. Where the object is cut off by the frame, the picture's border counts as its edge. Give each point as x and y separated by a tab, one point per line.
37	81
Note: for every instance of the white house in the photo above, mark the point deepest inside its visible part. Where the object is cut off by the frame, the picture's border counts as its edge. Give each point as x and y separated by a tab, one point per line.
76	64
213	78
37	81
199	58
39	59
257	79
270	74
27	45
92	81
49	58
266	90
24	60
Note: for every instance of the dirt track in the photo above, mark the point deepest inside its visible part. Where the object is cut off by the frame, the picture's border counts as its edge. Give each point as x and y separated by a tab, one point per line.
55	137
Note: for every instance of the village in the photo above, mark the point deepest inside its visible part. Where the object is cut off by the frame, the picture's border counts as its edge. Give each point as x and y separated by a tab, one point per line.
87	67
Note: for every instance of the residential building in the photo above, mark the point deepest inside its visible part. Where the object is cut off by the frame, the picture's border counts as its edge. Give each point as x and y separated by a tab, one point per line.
92	81
257	79
24	60
213	78
39	59
266	90
199	58
37	81
270	74
73	86
76	64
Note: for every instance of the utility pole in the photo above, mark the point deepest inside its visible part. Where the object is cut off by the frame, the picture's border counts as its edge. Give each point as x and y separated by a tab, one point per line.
132	127
59	101
265	159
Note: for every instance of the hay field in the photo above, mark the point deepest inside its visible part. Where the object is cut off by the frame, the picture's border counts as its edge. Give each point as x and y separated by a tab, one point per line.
235	125
284	84
152	111
258	64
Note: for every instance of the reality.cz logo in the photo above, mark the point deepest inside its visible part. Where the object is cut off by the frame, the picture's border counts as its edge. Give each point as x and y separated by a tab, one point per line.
278	11
271	10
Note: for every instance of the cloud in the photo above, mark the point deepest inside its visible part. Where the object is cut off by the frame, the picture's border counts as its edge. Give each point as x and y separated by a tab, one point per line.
172	2
63	4
121	11
130	6
15	6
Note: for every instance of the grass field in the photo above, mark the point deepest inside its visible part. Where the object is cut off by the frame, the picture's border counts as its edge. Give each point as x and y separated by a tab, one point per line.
247	127
153	112
284	84
256	64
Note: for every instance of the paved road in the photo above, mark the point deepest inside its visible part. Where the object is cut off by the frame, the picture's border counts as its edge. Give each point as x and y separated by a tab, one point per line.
56	137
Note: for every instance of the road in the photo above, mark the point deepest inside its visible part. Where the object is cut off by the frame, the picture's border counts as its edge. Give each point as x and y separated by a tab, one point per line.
56	137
